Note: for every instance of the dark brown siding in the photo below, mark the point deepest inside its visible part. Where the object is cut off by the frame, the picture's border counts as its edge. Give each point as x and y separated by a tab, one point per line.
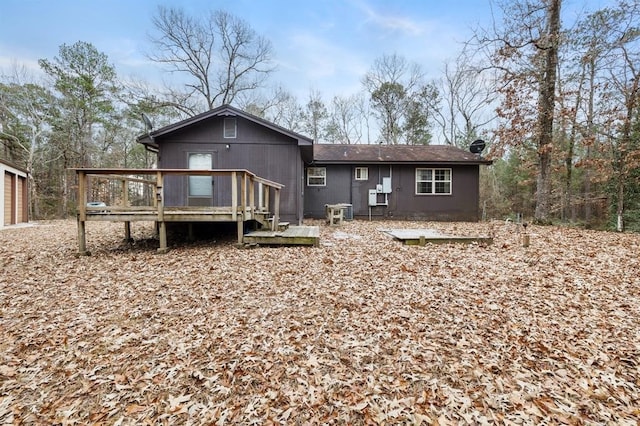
403	203
336	191
265	152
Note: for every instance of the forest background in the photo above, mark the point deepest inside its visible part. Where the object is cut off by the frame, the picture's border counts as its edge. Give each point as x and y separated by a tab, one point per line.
557	104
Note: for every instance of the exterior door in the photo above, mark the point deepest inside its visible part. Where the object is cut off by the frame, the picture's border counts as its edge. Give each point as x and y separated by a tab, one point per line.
200	188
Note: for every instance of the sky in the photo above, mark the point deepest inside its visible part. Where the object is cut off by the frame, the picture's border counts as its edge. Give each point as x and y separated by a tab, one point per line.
320	45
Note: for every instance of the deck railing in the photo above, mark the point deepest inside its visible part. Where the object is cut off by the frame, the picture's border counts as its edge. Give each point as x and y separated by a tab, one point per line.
106	194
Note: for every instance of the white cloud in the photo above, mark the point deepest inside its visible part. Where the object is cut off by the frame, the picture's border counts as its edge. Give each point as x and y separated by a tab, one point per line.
390	23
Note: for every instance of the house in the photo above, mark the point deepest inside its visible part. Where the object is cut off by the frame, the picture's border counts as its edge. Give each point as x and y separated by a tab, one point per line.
13	195
434	182
428	182
228	138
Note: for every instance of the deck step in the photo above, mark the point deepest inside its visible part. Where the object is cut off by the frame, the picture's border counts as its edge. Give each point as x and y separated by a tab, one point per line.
294	235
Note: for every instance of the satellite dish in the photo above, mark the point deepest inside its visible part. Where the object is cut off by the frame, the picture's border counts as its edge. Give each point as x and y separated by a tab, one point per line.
147	122
477	146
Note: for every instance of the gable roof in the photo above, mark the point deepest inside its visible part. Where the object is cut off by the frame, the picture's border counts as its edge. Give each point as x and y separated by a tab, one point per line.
394	154
222	111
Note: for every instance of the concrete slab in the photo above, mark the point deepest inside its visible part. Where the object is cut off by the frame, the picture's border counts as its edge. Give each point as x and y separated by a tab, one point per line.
423	236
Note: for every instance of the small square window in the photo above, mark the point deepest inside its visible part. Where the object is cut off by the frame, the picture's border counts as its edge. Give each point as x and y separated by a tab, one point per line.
230	128
317	176
362	173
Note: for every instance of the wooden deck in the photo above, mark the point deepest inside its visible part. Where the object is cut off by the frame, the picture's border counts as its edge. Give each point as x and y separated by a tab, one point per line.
293	235
252	199
414	237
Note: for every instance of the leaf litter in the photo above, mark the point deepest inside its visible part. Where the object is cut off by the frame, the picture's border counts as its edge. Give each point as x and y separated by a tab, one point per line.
361	330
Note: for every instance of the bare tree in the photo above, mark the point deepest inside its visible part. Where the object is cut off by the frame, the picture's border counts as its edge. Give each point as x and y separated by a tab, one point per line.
526	53
624	77
315	116
346	119
392	83
466	95
219	55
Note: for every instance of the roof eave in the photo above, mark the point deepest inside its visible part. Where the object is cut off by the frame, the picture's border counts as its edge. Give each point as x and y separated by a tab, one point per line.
428	162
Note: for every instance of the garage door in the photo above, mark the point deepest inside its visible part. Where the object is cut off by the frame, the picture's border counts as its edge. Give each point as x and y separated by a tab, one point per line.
8	197
21	198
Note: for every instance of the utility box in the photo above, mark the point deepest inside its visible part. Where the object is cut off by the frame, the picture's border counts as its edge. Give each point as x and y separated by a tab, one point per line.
386	185
373	197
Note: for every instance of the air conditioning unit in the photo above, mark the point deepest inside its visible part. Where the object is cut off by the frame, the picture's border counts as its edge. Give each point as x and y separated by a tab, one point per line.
348	211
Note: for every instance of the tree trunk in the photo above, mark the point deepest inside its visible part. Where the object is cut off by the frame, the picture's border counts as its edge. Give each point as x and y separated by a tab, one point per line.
620	208
546	105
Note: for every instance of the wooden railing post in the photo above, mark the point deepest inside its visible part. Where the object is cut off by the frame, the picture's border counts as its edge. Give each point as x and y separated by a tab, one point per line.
163	226
125	203
82	213
244	193
252	196
276	210
234	196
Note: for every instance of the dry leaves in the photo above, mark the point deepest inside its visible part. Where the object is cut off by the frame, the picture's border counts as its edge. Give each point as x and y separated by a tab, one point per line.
361	330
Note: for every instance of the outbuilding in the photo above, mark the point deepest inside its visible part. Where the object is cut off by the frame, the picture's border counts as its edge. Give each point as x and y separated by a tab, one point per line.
14	194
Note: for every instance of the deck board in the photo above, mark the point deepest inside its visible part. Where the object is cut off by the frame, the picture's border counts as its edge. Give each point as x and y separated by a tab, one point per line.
294	235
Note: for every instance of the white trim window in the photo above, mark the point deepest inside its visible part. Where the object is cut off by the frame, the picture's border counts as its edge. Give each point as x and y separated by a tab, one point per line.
433	181
316	176
230	128
362	173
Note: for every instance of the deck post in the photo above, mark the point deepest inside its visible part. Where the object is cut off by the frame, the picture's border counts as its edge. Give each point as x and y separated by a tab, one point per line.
240	224
163	225
243	202
82	239
82	213
125	203
82	195
276	211
252	196
127	231
234	196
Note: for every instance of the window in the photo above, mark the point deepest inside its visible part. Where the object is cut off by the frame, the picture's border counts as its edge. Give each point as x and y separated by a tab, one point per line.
362	173
316	176
230	128
433	181
200	186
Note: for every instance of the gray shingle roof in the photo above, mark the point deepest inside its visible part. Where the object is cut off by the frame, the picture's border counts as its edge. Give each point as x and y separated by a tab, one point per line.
361	154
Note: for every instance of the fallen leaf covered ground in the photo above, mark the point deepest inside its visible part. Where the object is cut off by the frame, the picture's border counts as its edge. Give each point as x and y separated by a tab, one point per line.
360	330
